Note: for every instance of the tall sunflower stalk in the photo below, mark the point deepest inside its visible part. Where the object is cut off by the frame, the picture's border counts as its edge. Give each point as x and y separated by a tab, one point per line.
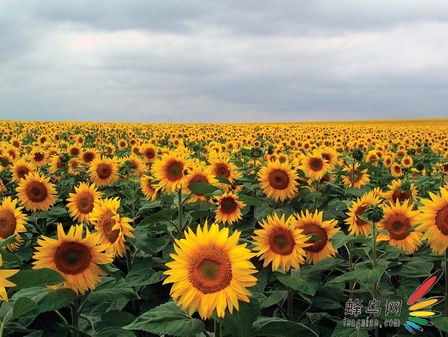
374	214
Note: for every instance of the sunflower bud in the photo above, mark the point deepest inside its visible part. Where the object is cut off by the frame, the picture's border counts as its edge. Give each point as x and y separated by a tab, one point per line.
420	166
374	213
357	154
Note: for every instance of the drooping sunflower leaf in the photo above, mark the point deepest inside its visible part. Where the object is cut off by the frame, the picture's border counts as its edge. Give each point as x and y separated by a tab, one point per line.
305	283
36	278
275	326
202	188
167	319
22	306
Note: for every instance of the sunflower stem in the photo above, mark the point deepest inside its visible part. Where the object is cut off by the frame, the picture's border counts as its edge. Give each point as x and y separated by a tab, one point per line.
129	267
289	302
179	213
374	257
75	317
217	328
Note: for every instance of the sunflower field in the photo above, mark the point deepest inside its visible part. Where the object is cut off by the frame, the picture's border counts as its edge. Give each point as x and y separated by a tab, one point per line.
284	229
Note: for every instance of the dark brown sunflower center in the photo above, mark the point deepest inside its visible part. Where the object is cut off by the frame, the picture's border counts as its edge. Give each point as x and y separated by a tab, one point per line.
442	220
278	179
107	223
150	153
88	157
74	152
316	164
104	171
84	203
210	270
400	196
38	156
319	239
228	205
222	170
397	225
22	171
281	241
72	258
174	170
8	223
36	191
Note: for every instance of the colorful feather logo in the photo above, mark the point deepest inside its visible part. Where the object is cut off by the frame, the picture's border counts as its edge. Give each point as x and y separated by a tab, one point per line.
420	308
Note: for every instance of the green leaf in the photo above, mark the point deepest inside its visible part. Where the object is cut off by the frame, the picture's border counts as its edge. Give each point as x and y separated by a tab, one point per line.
440	323
348	276
339	239
249	200
306	284
368	277
202	188
113	291
22	306
112	322
9	240
167	319
239	323
261	212
414	269
142	274
36	278
275	326
275	297
47	299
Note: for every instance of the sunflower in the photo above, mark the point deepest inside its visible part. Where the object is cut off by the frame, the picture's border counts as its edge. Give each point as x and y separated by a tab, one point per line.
110	226
38	157
354	176
222	167
74	151
210	271
74	166
76	258
396	170
278	181
149	153
12	221
88	155
399	221
407	161
401	191
35	192
331	156
229	208
434	220
314	165
137	166
103	171
321	231
4	274
169	171
356	210
80	204
21	168
280	242
199	173
147	187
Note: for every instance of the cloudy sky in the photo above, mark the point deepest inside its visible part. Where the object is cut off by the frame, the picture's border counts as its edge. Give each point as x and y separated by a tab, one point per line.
223	61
